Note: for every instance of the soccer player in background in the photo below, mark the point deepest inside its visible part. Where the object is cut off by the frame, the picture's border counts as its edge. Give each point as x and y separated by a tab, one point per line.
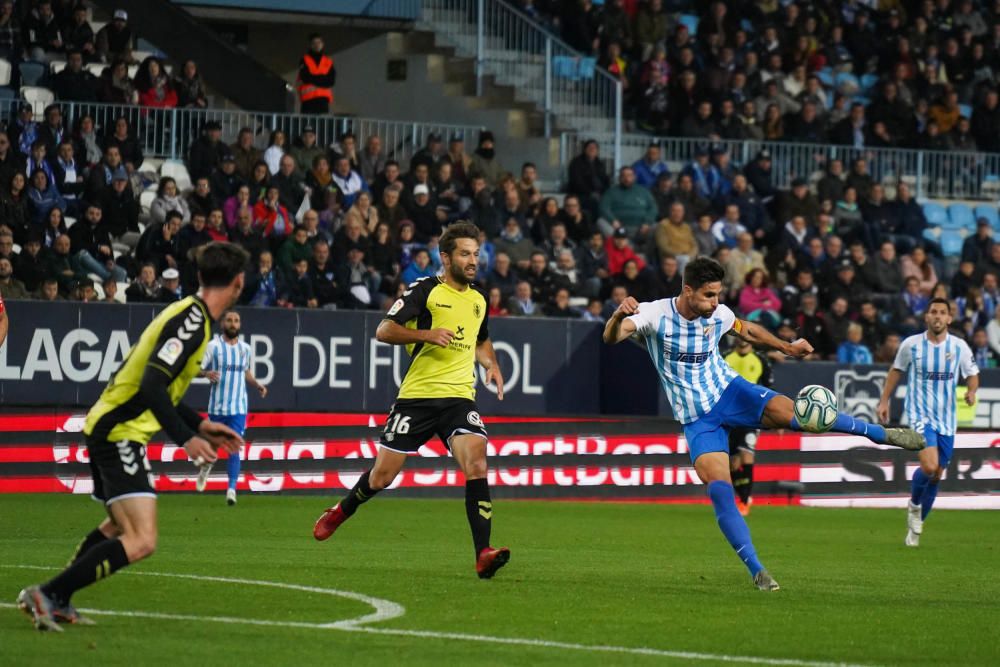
227	367
143	396
932	362
755	369
443	322
709	398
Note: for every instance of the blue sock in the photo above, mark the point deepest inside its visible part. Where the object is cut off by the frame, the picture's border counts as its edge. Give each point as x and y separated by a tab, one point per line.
233	468
920	480
847	424
732	524
927	500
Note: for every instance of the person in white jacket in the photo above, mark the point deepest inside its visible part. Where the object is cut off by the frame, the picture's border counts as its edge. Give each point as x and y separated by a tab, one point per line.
168	198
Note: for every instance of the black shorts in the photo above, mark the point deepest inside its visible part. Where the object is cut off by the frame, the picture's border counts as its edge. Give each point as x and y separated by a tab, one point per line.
414	421
743	440
120	470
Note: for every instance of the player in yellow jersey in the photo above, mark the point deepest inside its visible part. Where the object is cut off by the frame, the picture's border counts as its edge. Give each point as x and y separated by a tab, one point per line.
753	367
142	397
443	322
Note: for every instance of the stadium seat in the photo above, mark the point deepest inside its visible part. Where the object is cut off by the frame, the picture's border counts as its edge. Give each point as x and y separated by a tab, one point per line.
57	66
691	21
7	93
860	99
847	84
69	221
97	69
176	170
5	71
965	110
961	216
868	82
31	73
951	242
990	213
933	234
16	248
935	214
825	76
146	200
37	97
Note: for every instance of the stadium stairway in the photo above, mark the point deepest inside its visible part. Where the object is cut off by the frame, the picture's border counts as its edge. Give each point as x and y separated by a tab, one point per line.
230	72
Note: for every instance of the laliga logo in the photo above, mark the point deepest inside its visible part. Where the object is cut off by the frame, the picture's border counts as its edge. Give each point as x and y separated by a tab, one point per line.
70	453
858	393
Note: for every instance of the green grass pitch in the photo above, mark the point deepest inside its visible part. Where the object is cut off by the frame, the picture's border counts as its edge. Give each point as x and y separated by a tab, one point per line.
625	576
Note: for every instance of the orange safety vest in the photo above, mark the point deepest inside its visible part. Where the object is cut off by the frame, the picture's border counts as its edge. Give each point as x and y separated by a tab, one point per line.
308	91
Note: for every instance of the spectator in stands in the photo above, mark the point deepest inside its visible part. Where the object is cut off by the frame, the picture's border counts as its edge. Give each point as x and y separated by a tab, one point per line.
37	160
528	194
985	121
703	235
360	280
587	177
168	199
115	41
888	272
853	350
851	131
348	181
245	154
523	303
24	130
154	87
31	264
977	246
831	186
90	245
619	250
42	35
316	78
247	235
99	179
262	284
319	181
384	254
372	160
627	206
495	303
513	243
271	216
758	173
194	235
295	247
847	221
190	87
87	143
560	306
224	181
799	202
502	275
115	85
792	293
390	211
201	200
982	353
363	213
120	210
346	146
111	292
14	207
758	302
322	275
674	237
991	262
43	197
429	154
11	287
159	244
484	160
744	258
11	43
729	227
419	267
68	177
305	150
913	300
206	153
145	288
637	284
276	148
74	82
650	167
917	265
872	325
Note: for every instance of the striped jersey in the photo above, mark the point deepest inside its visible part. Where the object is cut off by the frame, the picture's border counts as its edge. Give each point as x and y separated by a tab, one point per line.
932	374
229	395
686	355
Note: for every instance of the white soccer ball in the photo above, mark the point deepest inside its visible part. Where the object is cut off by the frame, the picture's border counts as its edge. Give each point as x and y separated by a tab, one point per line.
816	408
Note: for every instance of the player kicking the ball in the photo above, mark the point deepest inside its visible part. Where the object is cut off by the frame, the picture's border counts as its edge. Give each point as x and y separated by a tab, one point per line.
709	398
932	361
144	396
443	323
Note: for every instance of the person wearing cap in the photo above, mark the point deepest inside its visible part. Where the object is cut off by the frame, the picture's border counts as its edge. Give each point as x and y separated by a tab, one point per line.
429	154
423	212
206	153
484	160
460	161
42	35
372	159
619	251
316	78
170	282
115	41
627	206
305	150
224	181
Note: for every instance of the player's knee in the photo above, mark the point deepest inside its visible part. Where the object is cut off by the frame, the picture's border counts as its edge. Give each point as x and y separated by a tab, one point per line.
139	546
380	479
931	469
475	469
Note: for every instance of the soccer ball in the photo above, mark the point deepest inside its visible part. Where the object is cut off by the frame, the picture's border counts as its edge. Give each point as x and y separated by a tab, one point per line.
816	409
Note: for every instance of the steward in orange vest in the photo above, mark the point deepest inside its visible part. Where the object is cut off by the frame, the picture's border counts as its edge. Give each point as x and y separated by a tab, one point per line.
316	78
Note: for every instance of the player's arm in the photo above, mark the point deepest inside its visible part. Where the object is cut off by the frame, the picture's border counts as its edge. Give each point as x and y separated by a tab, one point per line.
619	327
972	386
207	365
970	370
888	391
486	356
393	329
759	336
252	381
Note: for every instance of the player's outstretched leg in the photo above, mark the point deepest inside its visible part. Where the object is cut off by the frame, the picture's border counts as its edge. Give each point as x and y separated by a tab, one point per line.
713	469
780	413
388	463
470	453
136	518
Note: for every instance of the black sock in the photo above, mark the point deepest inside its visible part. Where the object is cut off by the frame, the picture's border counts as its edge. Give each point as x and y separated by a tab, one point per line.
99	562
94	538
748	473
479	509
361	493
741	482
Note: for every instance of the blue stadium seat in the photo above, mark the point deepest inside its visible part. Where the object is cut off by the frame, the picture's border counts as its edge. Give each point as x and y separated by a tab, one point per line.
825	77
935	214
586	68
961	216
847	79
31	73
868	82
933	234
564	67
691	21
965	110
7	93
861	99
951	242
990	213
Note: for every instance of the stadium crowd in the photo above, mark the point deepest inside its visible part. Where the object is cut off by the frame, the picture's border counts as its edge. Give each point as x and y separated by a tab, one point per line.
343	225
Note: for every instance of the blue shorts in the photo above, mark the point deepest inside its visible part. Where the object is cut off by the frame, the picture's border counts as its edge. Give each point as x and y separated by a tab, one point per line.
740	406
944	443
236	422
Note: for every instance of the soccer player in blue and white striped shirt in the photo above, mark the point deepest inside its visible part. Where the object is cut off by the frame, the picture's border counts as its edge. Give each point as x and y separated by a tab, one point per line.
932	362
708	397
227	366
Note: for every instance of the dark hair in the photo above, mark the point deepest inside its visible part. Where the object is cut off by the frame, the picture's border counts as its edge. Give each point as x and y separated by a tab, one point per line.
163	185
458	230
701	271
219	263
941	300
527	164
173	215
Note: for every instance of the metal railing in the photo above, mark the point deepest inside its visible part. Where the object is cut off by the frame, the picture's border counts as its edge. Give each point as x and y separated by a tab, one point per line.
168	133
515	51
930	174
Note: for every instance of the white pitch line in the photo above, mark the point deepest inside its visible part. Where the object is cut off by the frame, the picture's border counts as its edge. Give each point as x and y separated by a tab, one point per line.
386	610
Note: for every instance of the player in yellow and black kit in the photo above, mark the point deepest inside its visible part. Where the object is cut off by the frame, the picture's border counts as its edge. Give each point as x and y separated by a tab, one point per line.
444	325
754	368
144	396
